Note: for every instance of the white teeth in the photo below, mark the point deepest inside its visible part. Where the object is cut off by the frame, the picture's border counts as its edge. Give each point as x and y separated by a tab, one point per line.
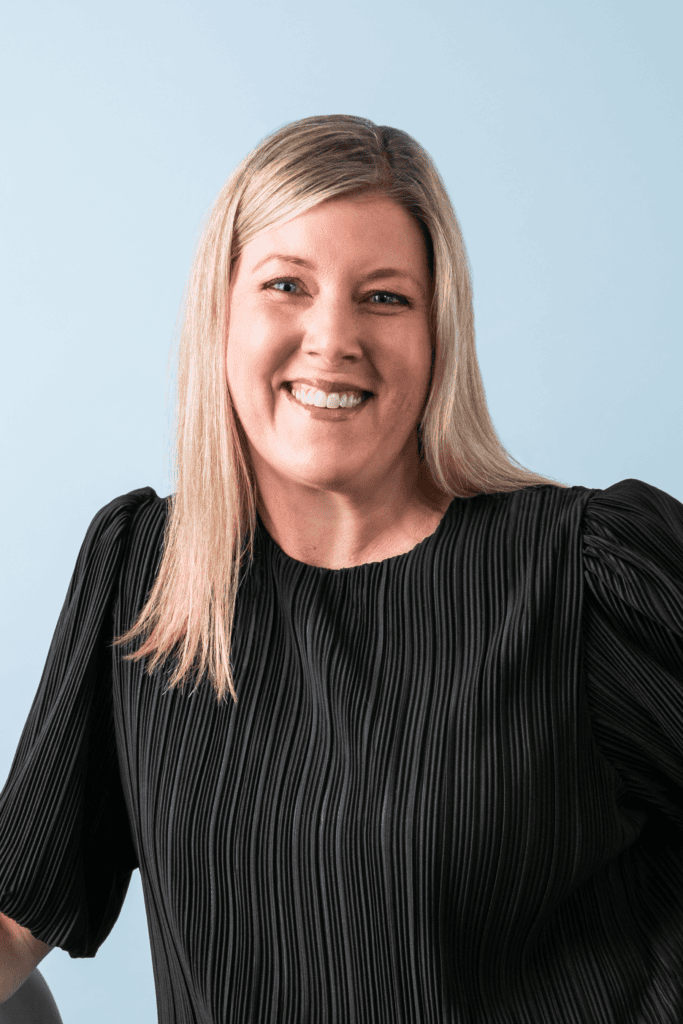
324	401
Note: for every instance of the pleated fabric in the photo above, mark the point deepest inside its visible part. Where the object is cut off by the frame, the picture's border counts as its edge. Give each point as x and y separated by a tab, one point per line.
451	791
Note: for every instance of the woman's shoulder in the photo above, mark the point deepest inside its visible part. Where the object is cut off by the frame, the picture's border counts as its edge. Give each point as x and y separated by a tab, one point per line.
637	500
630	508
541	500
131	501
121	512
130	522
630	513
635	524
638	496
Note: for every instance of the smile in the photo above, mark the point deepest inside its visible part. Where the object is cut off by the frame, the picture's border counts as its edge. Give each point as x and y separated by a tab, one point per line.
351	407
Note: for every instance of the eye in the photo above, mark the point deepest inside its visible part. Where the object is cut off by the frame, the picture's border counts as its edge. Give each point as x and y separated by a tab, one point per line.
400	299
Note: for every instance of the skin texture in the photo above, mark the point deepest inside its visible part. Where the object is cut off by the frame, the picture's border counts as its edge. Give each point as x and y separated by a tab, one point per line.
24	993
336	494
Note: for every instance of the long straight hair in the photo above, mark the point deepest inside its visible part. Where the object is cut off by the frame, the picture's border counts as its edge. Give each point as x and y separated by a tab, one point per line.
211	522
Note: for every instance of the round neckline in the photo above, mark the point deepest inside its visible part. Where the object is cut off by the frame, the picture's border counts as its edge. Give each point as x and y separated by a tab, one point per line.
277	550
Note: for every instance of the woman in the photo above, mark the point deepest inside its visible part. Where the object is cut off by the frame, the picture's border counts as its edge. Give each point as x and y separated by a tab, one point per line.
431	766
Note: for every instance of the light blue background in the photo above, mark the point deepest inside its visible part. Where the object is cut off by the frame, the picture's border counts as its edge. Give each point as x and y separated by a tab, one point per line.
557	129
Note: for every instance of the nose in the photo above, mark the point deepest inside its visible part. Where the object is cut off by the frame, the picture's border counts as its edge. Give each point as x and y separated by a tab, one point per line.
331	330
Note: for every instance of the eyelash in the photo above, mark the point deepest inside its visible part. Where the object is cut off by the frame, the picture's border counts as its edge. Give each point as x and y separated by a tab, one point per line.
292	280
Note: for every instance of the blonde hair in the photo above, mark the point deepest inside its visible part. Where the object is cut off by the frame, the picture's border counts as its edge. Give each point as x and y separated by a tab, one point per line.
212	514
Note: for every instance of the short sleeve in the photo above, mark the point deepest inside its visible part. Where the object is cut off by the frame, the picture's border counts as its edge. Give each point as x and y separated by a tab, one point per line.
633	638
66	852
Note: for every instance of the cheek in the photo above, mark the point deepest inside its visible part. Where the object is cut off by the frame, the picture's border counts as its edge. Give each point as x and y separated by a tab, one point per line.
251	373
417	373
255	348
240	374
243	364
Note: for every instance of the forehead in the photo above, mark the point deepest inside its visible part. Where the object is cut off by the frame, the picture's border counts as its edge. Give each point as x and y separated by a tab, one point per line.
348	228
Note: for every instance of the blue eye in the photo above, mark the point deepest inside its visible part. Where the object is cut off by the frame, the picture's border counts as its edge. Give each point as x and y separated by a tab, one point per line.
401	299
271	283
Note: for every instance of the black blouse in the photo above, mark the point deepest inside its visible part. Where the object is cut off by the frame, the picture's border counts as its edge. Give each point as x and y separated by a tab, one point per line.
451	791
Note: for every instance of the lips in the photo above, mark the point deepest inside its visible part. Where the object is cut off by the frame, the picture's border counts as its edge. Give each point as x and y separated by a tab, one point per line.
328	386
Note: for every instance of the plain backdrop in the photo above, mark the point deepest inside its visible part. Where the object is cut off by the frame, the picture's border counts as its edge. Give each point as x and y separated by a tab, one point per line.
557	129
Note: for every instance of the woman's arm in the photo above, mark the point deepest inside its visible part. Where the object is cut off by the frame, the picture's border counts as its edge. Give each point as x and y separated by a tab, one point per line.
33	1003
20	954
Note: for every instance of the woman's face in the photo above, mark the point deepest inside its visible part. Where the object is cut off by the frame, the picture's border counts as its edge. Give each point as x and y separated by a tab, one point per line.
338	323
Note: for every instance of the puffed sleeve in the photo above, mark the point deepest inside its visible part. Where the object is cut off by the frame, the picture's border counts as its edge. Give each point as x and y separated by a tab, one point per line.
66	852
633	638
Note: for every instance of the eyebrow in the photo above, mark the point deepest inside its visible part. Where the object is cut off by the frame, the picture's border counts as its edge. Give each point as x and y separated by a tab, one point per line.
374	275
